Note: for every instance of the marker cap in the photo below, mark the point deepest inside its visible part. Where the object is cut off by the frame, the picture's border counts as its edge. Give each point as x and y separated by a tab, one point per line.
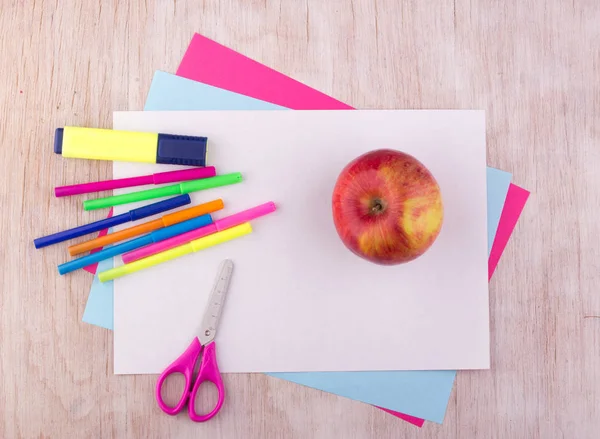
58	140
181	150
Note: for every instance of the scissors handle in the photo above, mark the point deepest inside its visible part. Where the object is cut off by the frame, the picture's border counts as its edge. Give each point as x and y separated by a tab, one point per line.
209	371
184	365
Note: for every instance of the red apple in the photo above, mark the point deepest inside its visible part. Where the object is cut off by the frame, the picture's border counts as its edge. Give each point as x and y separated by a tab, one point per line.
387	207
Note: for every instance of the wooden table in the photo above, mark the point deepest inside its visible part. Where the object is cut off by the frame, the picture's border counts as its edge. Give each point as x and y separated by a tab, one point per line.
533	65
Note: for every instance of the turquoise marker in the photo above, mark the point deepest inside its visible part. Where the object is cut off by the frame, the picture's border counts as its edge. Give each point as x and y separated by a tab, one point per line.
150	238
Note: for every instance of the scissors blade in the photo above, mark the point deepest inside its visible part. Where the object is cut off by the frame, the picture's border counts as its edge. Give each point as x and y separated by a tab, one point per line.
215	303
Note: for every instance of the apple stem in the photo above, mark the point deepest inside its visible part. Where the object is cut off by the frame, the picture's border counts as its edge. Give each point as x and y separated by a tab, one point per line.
377	206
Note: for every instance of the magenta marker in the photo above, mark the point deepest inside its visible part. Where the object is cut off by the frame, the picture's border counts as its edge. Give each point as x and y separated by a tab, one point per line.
159	178
217	226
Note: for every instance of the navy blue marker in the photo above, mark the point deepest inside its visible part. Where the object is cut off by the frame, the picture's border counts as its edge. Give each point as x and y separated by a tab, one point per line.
132	215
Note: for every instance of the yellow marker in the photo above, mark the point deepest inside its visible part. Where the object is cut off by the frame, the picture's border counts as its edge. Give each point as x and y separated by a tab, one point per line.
182	250
130	146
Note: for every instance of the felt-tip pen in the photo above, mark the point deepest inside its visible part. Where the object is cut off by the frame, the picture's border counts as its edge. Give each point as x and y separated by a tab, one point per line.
130	146
166	191
185	249
106	223
214	227
150	238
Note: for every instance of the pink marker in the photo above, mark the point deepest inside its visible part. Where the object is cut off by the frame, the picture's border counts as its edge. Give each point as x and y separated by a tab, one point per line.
222	224
159	178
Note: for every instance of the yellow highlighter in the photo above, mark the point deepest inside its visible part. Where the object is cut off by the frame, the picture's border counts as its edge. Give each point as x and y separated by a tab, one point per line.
130	146
182	250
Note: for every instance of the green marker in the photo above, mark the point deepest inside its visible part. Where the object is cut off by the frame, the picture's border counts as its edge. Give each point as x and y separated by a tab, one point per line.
175	189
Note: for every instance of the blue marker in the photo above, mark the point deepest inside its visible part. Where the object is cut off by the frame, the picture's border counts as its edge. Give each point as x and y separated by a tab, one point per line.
132	215
150	238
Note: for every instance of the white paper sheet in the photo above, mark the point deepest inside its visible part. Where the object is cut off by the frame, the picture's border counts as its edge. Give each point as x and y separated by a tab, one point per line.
299	300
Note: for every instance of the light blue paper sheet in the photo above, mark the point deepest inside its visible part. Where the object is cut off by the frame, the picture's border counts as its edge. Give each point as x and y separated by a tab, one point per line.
423	394
170	92
497	187
99	307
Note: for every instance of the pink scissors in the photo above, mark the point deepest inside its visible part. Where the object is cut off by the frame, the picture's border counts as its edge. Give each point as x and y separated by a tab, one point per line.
203	343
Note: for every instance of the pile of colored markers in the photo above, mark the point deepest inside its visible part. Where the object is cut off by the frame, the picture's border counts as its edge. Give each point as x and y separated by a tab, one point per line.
171	236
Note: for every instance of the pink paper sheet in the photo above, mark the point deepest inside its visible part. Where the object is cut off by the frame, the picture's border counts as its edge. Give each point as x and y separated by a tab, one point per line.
408	418
211	63
233	71
513	207
238	69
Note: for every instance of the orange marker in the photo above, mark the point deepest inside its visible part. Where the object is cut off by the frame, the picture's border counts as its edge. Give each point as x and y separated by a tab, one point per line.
166	220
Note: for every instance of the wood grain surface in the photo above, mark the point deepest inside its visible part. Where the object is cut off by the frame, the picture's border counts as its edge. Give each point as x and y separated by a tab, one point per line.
533	65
